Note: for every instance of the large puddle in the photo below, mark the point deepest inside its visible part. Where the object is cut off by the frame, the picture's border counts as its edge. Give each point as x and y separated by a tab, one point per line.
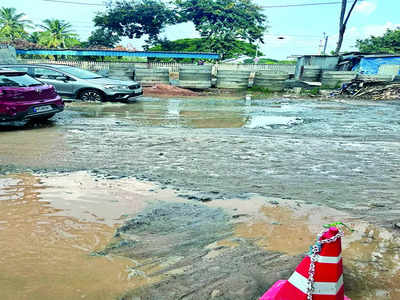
314	154
341	118
50	226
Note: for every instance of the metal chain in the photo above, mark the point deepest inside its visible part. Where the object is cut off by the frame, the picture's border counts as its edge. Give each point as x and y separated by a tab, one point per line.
314	258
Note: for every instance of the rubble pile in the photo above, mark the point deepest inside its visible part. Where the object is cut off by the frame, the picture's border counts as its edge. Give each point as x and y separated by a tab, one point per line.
375	90
168	90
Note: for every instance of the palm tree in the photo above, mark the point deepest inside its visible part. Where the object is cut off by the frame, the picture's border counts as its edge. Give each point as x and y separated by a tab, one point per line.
34	37
12	25
56	34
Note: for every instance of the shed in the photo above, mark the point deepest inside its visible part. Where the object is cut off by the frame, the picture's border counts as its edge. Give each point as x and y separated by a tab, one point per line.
378	64
324	62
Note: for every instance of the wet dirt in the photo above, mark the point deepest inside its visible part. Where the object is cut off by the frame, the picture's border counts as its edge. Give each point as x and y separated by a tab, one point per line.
75	235
269	173
371	254
51	225
344	157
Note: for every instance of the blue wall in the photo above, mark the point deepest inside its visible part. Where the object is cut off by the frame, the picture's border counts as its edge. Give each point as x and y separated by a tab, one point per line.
121	53
370	65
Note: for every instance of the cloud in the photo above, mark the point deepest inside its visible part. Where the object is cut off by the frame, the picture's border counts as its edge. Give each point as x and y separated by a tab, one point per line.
365	7
377	30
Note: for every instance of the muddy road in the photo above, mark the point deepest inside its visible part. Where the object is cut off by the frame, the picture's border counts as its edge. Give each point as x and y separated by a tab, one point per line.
197	198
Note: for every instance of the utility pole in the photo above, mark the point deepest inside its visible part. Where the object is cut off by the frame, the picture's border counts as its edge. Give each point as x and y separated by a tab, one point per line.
326	44
323	43
325	39
343	22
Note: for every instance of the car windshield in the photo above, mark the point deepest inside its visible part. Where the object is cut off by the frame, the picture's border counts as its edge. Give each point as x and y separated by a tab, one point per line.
82	74
18	80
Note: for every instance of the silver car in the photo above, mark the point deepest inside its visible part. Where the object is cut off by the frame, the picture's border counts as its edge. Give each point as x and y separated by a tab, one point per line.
81	84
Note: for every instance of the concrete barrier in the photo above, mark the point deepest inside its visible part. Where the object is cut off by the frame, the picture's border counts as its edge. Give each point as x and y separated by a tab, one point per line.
121	72
334	79
377	77
271	81
8	55
195	77
311	74
232	79
150	77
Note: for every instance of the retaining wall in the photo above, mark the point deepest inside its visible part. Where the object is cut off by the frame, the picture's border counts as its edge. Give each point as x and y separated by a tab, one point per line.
195	77
311	74
227	79
334	79
150	77
271	81
121	72
8	55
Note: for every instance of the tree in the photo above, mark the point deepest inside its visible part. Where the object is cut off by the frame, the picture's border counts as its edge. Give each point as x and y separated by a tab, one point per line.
136	18
343	22
34	37
57	34
388	43
104	38
222	22
203	45
12	25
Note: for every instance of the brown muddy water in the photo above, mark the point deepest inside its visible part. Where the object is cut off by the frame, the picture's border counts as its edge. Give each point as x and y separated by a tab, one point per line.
196	198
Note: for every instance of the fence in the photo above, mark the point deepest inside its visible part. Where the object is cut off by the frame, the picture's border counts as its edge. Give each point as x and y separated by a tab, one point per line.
173	67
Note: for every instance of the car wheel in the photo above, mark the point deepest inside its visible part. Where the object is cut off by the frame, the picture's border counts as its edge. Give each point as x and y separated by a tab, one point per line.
91	95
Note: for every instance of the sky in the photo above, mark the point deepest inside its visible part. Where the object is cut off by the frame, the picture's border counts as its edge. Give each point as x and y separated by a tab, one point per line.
292	30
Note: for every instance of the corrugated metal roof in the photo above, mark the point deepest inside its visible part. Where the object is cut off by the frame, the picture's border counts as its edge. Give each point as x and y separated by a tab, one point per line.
88	52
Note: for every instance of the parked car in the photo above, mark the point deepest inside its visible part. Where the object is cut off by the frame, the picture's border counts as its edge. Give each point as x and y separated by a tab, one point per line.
23	97
81	84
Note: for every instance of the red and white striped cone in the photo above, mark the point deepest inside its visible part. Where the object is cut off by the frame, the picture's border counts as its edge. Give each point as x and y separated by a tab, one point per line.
327	278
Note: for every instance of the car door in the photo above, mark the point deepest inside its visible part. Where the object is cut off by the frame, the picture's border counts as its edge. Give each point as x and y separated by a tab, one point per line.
55	78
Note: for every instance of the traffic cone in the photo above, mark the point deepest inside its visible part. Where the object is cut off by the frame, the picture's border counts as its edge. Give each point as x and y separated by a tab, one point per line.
328	275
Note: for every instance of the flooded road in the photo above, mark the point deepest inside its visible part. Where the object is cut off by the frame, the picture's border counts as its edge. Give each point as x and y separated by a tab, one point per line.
260	170
339	154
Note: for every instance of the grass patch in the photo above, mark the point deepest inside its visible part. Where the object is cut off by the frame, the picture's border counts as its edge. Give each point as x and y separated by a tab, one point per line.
259	90
313	92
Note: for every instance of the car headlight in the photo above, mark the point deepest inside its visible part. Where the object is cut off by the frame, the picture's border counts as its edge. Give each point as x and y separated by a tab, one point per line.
116	87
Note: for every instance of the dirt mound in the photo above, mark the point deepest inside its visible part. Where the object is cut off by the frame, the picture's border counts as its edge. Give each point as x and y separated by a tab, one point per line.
168	90
180	247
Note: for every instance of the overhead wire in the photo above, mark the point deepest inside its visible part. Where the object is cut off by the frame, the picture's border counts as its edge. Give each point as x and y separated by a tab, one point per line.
262	6
305	4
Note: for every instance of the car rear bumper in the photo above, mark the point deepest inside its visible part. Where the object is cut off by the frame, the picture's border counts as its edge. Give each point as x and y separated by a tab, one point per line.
30	113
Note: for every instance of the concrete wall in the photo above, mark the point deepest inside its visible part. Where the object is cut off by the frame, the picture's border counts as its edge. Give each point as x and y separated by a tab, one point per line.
325	63
7	55
229	76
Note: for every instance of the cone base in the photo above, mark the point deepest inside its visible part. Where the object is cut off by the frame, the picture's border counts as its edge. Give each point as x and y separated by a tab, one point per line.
274	293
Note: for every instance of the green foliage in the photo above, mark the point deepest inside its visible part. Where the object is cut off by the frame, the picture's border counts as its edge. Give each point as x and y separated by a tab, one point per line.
388	43
12	25
259	90
136	18
34	37
204	45
104	38
312	92
223	22
57	34
270	61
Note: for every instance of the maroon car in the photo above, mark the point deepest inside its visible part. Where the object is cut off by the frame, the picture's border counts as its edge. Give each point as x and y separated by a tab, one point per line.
23	97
